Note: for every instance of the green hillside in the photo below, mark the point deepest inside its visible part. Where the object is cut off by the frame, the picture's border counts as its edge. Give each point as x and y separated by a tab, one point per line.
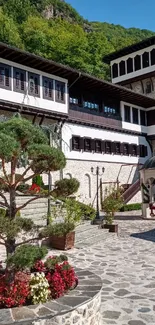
55	30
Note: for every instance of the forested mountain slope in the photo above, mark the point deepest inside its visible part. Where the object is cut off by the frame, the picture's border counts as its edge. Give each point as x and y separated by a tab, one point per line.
55	30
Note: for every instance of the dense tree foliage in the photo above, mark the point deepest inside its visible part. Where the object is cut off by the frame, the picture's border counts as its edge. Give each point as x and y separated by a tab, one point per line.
22	144
55	30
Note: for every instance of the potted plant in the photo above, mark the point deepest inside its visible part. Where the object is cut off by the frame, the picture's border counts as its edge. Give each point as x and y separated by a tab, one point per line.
111	204
61	232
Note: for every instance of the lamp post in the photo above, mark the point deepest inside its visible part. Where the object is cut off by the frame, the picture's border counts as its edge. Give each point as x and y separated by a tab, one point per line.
97	173
49	199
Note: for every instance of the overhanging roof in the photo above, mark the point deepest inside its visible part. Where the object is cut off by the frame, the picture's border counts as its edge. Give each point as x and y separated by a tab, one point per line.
129	49
80	79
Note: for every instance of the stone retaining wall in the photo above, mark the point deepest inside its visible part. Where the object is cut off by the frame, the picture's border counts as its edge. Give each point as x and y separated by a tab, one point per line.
80	306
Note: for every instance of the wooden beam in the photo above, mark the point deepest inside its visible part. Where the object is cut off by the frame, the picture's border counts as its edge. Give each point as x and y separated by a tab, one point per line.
34	119
42	119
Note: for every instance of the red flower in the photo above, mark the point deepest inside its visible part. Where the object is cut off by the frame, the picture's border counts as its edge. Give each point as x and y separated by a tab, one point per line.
13	294
67	274
39	266
56	284
35	188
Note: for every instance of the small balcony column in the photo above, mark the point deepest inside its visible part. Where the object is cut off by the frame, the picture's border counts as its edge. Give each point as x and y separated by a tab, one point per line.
122	113
131	115
138	116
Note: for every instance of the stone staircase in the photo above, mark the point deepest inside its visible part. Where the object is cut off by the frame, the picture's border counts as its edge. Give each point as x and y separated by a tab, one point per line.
36	210
87	234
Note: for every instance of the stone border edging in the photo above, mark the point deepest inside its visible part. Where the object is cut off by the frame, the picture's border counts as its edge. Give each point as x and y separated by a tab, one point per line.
80	306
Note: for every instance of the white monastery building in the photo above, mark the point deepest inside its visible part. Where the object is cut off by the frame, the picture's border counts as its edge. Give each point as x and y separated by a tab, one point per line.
102	124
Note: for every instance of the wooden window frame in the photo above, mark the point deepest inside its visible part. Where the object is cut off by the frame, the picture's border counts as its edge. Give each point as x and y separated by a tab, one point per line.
141	122
48	80
98	140
132	145
115	70
4	86
57	99
125	120
134	109
73	146
137	63
153	57
33	94
128	149
115	143
86	139
122	70
145	60
108	152
19	90
129	65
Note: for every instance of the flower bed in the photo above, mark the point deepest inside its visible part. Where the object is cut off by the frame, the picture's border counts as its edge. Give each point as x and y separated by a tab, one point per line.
79	306
46	280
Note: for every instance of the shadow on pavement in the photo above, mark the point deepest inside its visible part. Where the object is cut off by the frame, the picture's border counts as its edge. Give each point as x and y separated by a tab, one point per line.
147	235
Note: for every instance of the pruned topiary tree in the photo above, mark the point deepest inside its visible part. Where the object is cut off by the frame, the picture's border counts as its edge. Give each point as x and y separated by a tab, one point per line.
22	144
66	187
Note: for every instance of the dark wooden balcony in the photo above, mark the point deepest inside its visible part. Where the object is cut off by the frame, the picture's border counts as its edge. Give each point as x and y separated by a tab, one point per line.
92	117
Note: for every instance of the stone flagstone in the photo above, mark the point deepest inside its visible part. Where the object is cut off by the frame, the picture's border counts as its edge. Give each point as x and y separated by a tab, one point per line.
126	265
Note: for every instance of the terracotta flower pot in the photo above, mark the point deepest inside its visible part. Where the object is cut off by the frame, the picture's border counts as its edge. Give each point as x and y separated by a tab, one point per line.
64	242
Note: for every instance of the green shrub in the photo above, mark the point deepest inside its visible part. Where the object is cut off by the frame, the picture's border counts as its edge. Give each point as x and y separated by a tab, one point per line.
23	187
112	203
66	187
51	262
2	212
38	180
131	207
58	229
25	256
87	211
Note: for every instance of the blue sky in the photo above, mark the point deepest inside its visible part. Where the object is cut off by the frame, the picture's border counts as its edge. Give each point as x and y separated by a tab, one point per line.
128	13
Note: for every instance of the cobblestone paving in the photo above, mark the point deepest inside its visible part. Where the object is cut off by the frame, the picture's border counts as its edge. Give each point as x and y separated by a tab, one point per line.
126	265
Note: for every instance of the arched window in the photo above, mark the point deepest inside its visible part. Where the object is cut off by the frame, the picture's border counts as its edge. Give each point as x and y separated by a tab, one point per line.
115	70
153	57
122	68
68	175
129	65
145	59
137	62
148	87
88	185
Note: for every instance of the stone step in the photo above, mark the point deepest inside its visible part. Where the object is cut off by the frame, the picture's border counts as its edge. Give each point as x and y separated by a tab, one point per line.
86	233
85	227
93	240
32	210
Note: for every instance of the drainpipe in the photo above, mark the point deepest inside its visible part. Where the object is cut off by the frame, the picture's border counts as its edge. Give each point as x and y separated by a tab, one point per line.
79	76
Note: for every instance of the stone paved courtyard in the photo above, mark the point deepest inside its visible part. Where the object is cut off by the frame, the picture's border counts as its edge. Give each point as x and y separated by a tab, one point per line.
126	265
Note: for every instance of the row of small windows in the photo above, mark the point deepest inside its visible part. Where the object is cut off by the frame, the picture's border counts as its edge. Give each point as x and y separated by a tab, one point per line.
19	83
133	64
106	108
108	147
131	115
